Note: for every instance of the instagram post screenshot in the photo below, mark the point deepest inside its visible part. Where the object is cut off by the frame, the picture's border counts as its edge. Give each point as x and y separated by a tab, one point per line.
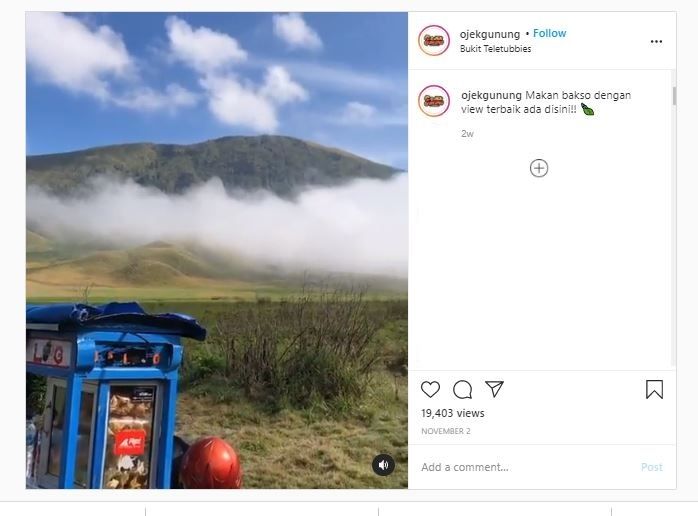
241	302
381	258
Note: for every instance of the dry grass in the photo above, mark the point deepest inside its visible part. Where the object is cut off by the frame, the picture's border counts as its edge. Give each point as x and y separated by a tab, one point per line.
322	445
300	449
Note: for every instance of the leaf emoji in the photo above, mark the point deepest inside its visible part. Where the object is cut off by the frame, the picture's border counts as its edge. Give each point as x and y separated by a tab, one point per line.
587	110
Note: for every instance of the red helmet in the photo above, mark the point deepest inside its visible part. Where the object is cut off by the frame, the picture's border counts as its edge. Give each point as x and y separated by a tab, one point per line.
210	463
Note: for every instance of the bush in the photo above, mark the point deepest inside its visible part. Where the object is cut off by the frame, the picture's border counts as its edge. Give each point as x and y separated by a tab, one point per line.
310	349
199	364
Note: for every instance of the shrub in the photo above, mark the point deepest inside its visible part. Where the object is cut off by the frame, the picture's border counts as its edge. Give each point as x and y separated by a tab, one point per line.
313	348
199	364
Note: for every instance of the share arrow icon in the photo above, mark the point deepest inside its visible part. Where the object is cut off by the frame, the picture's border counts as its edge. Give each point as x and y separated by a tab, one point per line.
495	385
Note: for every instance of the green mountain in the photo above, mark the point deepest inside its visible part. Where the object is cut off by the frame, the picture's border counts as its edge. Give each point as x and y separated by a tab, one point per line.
276	163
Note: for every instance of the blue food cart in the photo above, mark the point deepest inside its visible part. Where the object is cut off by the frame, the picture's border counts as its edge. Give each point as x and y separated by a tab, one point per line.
111	373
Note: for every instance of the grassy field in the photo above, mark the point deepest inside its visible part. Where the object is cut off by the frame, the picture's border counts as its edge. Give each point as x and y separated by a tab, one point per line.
164	297
318	446
306	448
217	292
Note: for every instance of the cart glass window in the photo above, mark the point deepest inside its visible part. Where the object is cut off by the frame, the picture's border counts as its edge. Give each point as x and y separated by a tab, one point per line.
82	460
57	404
129	437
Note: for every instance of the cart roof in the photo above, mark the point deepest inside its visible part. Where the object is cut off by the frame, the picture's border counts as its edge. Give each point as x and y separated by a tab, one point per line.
128	317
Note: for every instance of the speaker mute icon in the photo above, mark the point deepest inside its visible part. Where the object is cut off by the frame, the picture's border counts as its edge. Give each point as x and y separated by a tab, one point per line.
383	464
495	386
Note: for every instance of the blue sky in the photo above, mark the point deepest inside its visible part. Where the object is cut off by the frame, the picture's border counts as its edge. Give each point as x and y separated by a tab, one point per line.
335	78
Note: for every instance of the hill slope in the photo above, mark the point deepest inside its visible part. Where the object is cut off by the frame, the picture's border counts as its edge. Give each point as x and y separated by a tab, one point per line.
161	270
276	163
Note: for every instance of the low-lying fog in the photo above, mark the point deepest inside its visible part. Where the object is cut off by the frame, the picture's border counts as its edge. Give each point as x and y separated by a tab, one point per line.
359	228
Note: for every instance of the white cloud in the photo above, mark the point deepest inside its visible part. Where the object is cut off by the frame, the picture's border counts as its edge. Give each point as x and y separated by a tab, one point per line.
203	49
359	113
292	29
280	88
65	52
239	103
148	99
335	77
234	103
231	100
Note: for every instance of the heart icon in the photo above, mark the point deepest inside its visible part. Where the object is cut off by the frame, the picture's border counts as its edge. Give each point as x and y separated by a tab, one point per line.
430	388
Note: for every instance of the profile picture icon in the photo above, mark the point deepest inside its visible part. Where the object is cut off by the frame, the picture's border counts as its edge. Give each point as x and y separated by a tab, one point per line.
434	40
434	100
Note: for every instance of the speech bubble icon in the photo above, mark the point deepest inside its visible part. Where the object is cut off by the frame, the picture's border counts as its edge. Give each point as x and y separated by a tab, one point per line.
463	390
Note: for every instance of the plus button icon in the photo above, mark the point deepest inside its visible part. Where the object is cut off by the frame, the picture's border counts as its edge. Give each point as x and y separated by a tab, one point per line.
539	167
